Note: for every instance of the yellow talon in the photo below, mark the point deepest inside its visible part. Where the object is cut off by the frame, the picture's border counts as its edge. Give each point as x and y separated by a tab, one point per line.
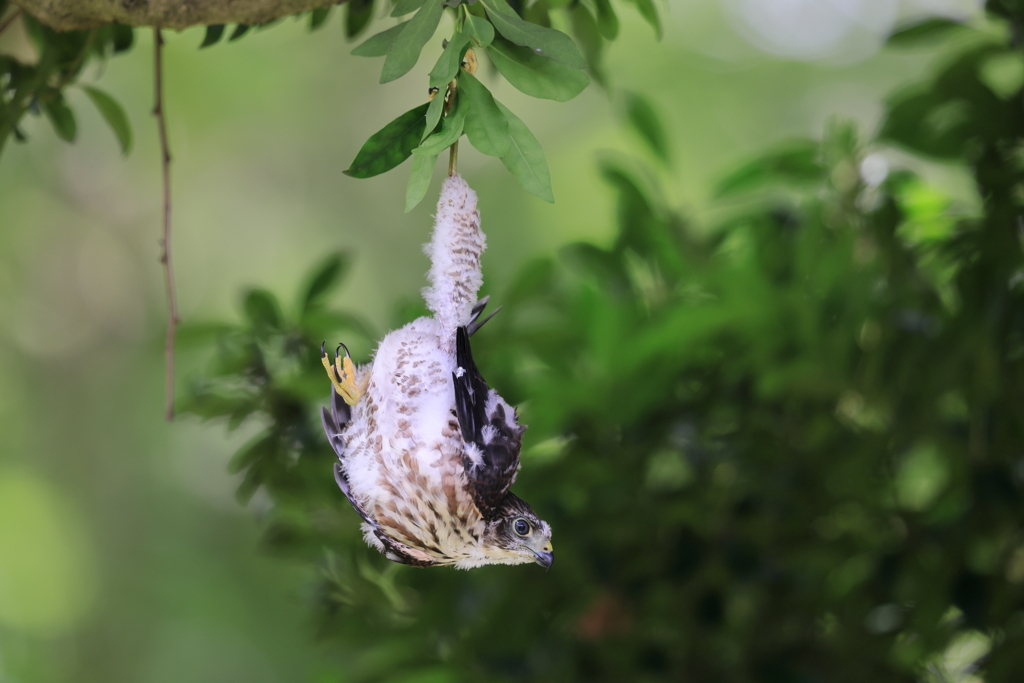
343	375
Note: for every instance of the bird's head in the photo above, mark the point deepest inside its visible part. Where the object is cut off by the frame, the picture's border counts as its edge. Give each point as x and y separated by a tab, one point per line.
519	535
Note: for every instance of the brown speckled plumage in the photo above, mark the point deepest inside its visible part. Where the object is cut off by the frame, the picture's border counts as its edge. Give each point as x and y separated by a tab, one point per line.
429	451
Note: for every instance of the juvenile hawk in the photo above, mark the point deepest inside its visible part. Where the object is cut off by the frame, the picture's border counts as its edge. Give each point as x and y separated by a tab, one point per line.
427	450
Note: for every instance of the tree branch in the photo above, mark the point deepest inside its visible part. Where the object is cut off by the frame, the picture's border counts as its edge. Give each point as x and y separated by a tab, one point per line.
165	243
66	15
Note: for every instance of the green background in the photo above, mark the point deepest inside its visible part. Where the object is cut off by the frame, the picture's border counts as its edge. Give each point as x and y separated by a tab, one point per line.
124	555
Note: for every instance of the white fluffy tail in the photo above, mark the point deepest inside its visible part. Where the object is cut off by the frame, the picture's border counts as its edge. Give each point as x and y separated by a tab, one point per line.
454	252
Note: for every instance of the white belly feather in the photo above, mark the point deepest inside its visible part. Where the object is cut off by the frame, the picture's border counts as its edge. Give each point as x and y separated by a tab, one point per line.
404	461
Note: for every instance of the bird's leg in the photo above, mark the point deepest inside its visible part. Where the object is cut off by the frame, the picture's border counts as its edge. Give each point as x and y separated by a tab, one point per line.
343	375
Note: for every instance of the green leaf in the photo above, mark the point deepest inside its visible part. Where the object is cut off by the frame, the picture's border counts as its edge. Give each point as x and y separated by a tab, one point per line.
486	126
546	42
642	218
448	63
923	33
322	322
645	121
593	260
263	445
928	123
403	7
251	482
403	54
451	130
62	118
419	179
358	15
239	31
237	355
797	162
389	146
213	35
327	275
378	44
534	75
607	21
588	37
433	115
114	115
317	17
536	13
648	12
122	37
207	403
525	158
1003	74
532	282
958	111
480	29
199	334
262	309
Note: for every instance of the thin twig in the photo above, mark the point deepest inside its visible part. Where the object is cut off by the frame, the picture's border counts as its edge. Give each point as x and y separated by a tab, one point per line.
10	19
165	243
453	159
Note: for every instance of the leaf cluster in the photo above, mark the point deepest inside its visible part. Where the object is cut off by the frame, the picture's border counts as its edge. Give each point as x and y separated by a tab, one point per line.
266	368
533	57
39	88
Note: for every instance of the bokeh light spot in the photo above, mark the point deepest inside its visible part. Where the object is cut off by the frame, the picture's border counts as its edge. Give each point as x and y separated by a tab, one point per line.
922	476
811	29
47	568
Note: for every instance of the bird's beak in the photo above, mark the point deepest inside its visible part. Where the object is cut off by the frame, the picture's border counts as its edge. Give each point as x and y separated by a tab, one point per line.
545	557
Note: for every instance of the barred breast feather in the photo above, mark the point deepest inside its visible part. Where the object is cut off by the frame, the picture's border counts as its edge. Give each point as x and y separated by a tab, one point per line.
421	482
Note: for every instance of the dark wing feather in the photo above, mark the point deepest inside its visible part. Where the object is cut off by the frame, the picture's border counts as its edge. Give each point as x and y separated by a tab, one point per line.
470	391
334	422
489	481
399	552
474	318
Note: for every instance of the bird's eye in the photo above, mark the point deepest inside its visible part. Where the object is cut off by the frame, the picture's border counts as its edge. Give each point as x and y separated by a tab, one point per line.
521	526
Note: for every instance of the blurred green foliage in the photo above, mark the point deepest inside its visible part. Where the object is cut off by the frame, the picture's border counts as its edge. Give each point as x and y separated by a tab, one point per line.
40	87
786	447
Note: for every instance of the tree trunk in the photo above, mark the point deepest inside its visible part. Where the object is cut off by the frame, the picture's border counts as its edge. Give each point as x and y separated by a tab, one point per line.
65	15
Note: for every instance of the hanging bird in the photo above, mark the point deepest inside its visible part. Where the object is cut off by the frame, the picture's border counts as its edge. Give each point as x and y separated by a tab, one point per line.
427	451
